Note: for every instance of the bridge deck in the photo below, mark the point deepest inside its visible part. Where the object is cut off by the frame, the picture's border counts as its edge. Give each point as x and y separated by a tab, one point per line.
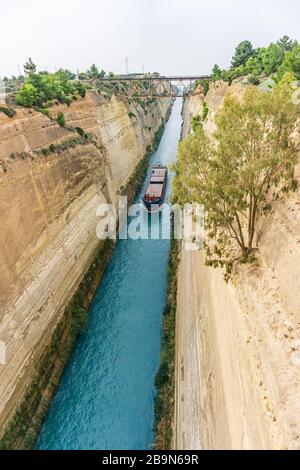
171	78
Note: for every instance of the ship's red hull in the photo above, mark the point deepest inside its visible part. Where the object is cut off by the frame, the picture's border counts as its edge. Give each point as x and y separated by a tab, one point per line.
155	192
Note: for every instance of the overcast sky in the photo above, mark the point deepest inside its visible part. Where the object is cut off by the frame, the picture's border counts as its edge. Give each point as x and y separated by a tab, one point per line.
168	36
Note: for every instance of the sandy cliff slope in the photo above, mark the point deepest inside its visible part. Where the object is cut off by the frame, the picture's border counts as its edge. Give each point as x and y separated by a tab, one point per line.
238	344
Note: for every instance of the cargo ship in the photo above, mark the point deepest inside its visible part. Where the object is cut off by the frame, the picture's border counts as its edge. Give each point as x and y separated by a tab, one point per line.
155	192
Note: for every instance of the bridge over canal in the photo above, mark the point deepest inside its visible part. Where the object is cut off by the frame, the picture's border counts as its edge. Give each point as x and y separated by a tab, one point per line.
151	86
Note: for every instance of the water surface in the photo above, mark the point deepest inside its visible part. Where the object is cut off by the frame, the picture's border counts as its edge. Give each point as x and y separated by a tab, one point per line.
105	397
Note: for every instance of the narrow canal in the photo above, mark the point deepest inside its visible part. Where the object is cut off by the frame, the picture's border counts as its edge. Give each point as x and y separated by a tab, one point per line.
105	399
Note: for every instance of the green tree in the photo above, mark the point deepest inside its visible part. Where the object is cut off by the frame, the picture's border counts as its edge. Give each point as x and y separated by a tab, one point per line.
93	72
225	75
286	43
80	88
216	73
237	174
68	74
196	122
29	67
254	64
272	58
242	53
205	85
82	76
40	89
291	63
27	95
205	111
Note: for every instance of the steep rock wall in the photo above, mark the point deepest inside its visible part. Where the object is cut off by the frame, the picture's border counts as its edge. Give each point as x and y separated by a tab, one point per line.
51	182
238	354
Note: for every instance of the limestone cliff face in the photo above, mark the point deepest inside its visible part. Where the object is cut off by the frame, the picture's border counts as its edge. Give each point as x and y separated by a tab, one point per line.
51	181
238	353
192	106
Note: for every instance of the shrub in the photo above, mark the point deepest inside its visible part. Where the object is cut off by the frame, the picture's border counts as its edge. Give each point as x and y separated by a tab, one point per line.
68	100
291	63
205	111
81	89
45	111
42	88
8	111
204	83
80	131
196	122
27	96
254	80
66	145
61	119
79	320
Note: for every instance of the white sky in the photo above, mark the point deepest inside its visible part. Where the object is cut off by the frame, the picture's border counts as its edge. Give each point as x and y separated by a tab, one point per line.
168	36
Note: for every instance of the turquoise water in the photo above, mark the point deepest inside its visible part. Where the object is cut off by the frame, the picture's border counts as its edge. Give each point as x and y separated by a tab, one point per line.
105	398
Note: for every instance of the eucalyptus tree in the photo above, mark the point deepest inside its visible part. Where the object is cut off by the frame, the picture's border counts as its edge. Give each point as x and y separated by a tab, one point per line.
239	172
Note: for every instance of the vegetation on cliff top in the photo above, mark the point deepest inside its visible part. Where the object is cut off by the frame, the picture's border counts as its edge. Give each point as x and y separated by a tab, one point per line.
236	175
91	73
274	60
13	84
40	89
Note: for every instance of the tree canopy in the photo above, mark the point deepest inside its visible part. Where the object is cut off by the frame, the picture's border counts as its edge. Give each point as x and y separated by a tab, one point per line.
93	72
286	43
291	63
274	60
217	73
242	53
29	67
237	174
41	88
